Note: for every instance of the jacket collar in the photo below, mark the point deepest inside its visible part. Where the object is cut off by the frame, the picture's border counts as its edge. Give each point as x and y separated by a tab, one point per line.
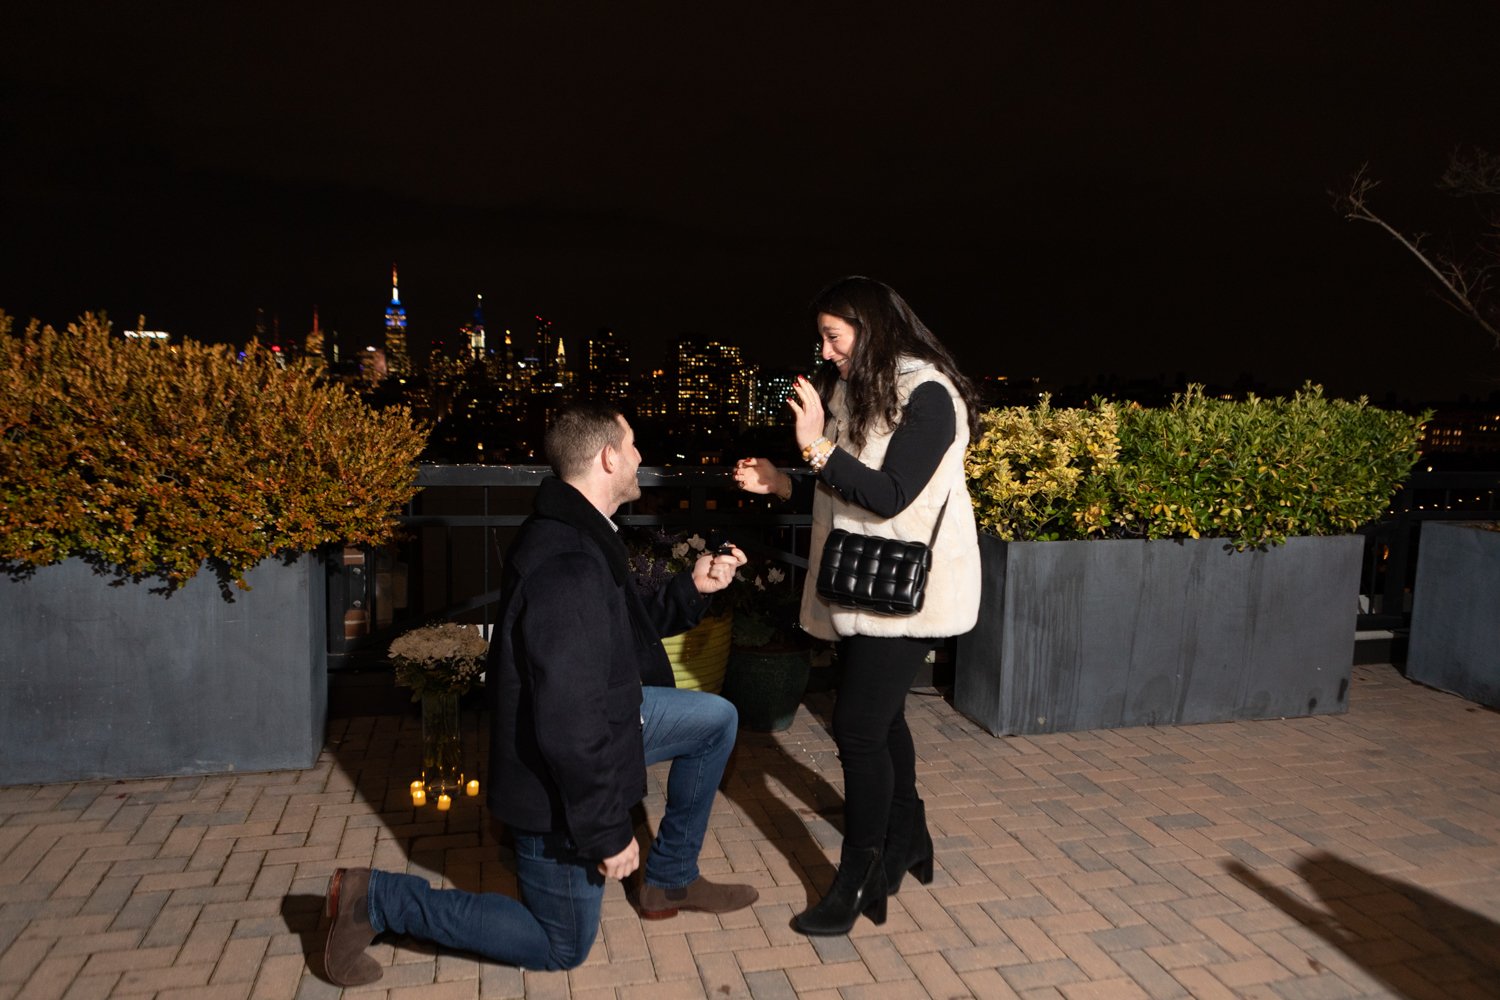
558	501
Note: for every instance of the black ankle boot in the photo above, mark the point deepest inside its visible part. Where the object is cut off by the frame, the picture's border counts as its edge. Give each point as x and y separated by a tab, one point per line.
911	852
858	887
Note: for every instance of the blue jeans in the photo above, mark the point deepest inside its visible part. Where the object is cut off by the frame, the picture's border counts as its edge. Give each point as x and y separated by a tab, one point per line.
554	923
695	731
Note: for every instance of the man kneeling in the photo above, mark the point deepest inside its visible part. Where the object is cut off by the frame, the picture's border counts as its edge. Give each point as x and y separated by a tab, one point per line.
581	701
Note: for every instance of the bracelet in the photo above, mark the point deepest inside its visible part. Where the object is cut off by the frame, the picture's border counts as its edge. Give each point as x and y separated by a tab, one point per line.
820	451
810	450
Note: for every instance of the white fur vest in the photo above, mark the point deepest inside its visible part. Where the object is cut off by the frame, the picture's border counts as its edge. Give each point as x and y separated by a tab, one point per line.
951	606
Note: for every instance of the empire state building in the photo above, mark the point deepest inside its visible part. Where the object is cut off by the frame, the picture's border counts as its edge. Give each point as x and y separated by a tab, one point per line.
398	361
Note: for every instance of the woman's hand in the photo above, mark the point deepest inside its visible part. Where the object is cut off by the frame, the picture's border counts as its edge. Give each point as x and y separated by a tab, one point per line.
759	475
808	407
715	570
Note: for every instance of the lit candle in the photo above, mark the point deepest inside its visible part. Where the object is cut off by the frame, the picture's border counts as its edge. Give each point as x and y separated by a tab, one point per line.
417	786
473	786
444	802
419	796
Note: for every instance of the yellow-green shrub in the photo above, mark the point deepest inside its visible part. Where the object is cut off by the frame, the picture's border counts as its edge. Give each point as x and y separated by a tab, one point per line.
149	460
1028	465
1252	471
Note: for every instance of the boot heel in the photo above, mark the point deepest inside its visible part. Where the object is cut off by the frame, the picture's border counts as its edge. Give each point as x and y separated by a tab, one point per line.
331	897
922	870
876	911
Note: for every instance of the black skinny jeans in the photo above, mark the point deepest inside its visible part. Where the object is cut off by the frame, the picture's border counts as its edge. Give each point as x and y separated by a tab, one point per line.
869	726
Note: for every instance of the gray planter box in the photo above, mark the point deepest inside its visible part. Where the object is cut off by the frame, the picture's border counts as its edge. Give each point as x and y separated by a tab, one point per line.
103	681
1455	614
1103	634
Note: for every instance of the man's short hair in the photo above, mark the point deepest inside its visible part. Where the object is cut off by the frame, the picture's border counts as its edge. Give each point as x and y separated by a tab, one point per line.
578	433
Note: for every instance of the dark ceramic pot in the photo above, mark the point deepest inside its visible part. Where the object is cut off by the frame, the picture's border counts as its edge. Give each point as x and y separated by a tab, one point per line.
766	686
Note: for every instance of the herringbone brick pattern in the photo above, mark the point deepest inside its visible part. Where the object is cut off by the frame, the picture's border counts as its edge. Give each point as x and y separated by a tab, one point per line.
1336	857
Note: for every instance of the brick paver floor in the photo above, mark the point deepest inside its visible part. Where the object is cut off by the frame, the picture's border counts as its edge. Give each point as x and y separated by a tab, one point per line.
1340	856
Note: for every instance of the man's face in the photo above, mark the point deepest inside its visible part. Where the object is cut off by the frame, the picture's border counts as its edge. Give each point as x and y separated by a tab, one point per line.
627	486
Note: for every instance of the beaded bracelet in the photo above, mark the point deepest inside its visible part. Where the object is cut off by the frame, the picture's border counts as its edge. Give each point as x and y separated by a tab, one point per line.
819	453
807	453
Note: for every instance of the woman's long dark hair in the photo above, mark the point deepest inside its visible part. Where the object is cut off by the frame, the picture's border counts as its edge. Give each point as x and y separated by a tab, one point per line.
886	329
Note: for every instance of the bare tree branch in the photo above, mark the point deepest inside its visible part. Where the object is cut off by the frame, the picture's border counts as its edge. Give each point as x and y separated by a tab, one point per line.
1472	172
1464	288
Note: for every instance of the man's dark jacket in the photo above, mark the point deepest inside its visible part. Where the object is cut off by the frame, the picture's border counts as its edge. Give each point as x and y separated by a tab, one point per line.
573	645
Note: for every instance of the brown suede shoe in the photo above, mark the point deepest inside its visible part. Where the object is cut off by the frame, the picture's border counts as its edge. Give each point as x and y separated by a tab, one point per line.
347	903
701	894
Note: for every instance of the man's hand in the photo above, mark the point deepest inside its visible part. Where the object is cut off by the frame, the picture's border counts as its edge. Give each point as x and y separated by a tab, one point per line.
715	571
622	864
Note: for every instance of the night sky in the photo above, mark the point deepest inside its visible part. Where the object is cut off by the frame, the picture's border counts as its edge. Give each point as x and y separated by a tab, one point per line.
1076	191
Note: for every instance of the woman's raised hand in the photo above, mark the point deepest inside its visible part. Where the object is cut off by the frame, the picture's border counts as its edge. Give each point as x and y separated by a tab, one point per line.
808	407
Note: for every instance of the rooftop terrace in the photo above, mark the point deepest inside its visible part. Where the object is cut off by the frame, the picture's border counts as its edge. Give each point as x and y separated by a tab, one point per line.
1328	857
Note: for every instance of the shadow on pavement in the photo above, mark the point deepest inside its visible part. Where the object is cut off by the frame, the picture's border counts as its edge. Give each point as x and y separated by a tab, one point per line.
1417	944
761	761
303	914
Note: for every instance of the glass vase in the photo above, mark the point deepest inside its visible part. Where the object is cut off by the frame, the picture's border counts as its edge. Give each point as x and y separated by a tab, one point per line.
442	743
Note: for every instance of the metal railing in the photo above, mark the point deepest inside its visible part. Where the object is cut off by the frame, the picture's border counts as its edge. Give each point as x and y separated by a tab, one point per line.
460	523
448	564
1391	544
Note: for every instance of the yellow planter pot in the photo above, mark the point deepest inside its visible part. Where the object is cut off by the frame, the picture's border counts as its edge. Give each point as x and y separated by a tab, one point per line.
698	655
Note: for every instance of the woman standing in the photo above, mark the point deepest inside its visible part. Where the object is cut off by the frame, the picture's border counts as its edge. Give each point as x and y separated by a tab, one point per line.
884	428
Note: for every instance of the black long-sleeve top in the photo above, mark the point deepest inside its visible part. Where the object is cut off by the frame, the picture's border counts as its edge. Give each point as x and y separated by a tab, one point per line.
927	427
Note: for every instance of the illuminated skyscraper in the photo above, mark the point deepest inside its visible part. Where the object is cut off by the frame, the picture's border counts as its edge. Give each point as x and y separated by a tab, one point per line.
713	383
607	367
546	346
472	333
397	360
768	395
312	344
655	395
562	376
501	365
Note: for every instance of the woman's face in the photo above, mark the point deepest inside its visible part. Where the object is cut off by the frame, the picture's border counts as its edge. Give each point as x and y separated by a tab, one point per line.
838	341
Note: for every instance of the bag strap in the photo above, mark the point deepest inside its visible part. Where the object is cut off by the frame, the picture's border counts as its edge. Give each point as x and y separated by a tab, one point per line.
932	542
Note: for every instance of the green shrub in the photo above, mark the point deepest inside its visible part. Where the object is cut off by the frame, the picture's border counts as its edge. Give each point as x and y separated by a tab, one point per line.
1253	472
149	460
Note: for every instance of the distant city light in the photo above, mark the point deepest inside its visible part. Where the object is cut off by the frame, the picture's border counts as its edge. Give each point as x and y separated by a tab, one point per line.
146	335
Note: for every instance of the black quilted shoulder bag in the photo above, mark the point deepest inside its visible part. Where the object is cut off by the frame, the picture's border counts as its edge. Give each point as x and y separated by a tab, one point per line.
883	575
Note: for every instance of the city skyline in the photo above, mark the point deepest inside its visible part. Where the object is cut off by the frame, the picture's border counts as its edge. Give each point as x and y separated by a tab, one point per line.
1078	192
538	340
